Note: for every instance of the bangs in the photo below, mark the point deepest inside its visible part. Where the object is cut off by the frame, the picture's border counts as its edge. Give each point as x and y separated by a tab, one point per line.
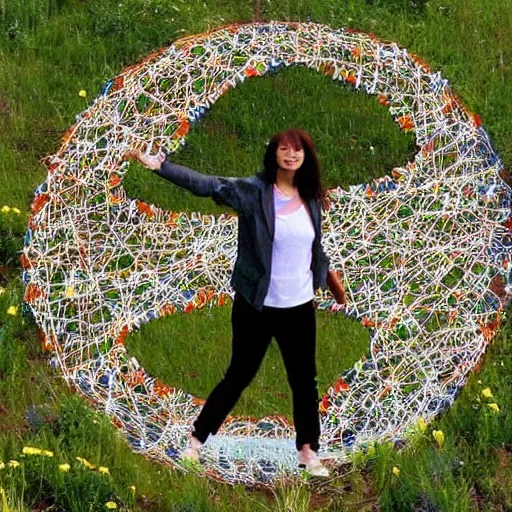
307	177
290	138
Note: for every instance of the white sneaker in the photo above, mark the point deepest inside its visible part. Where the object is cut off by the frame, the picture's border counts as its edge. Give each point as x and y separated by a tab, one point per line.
315	470
313	466
191	452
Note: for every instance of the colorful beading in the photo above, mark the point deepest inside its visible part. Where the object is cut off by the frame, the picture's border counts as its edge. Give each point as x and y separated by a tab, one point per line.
425	252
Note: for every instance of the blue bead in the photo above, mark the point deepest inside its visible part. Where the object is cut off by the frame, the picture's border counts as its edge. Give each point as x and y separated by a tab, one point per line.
28	236
103	380
171	452
348	438
274	62
188	294
107	87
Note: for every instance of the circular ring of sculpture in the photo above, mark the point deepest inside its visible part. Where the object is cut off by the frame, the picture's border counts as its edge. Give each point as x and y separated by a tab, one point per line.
425	250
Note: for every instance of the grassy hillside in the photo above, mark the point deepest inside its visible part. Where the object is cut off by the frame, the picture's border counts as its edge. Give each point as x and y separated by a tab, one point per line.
52	49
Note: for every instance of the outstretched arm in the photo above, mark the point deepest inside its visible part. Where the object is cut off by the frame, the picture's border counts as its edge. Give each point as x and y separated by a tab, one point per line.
222	190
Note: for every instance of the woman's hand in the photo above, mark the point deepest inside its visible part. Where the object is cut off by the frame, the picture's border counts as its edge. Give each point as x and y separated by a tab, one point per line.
152	162
336	287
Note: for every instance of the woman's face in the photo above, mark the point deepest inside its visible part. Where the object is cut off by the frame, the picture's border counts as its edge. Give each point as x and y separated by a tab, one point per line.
288	158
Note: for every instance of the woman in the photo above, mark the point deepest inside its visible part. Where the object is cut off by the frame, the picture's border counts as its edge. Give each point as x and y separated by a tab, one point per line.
280	263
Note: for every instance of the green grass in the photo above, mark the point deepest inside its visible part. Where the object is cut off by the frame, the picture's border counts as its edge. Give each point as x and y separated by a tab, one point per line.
192	352
343	124
49	50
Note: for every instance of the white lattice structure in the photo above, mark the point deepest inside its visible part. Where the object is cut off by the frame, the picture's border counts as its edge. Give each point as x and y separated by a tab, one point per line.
425	251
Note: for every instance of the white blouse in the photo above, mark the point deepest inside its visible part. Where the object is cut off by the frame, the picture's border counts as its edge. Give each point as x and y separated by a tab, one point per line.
291	278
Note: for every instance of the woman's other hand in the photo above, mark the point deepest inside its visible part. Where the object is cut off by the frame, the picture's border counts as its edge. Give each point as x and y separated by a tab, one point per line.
152	162
336	287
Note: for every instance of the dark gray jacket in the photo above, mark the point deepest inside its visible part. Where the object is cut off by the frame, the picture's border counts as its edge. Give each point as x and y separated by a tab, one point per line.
253	200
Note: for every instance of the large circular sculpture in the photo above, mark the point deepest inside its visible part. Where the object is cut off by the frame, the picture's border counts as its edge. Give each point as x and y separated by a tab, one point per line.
426	251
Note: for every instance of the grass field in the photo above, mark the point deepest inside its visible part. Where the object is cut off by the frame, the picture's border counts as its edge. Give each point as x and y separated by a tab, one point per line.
51	49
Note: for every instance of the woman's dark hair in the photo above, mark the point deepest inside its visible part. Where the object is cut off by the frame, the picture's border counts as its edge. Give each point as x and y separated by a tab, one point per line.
307	178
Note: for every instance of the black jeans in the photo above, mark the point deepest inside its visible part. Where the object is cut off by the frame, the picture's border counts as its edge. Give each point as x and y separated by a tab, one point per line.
295	332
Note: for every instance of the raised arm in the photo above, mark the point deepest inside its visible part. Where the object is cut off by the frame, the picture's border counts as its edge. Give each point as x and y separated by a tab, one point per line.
221	189
224	191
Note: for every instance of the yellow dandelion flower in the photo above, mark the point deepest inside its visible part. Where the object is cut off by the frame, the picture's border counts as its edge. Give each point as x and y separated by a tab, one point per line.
12	310
104	470
439	437
30	450
5	209
85	462
70	292
132	488
13	464
64	467
82	93
396	471
422	424
111	505
16	210
487	392
494	407
47	453
2	465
